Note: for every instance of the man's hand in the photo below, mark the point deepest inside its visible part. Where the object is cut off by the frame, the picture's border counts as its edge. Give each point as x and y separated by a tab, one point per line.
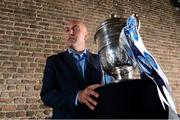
84	96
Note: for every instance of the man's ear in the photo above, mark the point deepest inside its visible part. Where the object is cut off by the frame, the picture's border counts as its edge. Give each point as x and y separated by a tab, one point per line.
86	36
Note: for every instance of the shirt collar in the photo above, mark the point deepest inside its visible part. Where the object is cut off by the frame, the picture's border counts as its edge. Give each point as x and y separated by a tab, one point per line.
72	51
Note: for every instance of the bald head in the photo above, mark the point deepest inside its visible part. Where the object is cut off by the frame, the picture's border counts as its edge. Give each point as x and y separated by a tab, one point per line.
75	34
76	22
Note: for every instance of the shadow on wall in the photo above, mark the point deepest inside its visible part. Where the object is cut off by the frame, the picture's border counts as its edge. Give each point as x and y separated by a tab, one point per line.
176	5
177	18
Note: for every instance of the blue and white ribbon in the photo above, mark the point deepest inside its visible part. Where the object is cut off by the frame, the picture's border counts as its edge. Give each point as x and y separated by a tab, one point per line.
131	42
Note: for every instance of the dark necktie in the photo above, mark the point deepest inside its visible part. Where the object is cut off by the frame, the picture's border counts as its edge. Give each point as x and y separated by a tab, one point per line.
78	60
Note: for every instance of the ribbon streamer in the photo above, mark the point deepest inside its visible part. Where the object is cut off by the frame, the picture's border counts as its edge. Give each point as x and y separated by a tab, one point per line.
131	42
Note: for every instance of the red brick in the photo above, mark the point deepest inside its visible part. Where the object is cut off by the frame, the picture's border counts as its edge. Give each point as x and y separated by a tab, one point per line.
42	106
5	95
31	100
37	87
2	115
21	25
22	107
21	114
19	100
47	112
9	108
20	87
18	59
11	87
7	75
2	32
33	107
30	113
4	57
10	114
6	100
15	94
2	81
13	81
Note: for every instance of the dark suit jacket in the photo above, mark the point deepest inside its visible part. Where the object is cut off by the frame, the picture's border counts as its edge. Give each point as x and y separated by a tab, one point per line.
62	81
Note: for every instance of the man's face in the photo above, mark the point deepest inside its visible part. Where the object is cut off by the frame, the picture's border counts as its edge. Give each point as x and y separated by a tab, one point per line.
75	33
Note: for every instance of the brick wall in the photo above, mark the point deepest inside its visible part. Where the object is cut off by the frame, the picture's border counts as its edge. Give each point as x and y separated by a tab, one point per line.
31	30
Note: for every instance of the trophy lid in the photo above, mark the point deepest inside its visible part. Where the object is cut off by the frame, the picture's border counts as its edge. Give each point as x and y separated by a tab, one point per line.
109	29
113	18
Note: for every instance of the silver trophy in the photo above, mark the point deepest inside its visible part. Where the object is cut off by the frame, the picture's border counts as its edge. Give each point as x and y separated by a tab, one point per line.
113	58
121	49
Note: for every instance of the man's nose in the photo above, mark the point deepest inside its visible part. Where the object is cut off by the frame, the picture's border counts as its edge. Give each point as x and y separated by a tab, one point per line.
71	32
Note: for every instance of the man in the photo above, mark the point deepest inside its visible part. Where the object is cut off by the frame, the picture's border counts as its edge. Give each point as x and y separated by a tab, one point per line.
71	77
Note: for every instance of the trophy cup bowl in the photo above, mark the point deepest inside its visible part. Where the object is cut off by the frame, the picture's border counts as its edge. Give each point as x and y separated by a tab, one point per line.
113	58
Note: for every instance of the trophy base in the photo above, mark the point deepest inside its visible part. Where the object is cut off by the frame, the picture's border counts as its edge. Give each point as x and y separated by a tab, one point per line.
123	73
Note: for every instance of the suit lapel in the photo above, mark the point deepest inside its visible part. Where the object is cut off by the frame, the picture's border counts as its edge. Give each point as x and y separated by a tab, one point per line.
72	66
88	68
93	72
